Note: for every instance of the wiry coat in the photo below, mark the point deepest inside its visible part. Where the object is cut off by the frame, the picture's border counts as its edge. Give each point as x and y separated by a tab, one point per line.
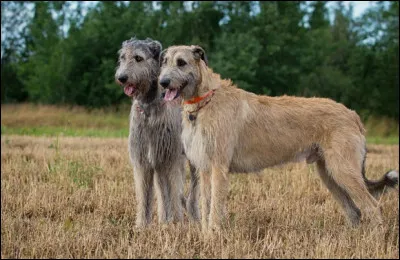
155	148
232	130
151	137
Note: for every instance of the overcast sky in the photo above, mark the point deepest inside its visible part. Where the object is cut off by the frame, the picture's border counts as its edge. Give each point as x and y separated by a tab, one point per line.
359	6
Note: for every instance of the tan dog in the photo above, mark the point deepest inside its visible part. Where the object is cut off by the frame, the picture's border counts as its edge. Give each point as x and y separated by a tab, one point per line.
226	129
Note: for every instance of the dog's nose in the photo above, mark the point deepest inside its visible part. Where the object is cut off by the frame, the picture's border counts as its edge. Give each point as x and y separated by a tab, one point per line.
165	82
123	78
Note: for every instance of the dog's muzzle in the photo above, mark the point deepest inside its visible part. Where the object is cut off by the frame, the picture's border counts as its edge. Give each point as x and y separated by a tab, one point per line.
171	93
165	82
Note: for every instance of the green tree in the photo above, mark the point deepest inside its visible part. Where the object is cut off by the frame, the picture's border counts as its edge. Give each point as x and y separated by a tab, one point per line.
375	62
14	15
319	17
40	73
274	48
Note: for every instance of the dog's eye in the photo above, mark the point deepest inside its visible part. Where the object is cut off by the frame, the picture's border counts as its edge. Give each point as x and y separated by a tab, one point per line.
138	58
122	57
180	62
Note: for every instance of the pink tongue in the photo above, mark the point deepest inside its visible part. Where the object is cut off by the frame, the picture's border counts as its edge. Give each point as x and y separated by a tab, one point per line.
170	94
128	90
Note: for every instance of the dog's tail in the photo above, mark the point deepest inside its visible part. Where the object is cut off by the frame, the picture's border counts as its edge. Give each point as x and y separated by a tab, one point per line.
376	188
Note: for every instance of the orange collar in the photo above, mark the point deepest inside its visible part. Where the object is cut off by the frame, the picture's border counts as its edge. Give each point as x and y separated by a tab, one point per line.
198	99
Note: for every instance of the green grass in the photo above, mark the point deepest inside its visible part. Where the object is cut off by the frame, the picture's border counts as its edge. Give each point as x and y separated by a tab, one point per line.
50	120
383	140
107	132
63	131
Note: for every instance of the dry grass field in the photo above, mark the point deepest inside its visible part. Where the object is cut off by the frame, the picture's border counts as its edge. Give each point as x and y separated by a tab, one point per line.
73	197
67	192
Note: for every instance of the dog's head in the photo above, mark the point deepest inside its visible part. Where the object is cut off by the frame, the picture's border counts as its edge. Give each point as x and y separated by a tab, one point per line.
181	70
138	66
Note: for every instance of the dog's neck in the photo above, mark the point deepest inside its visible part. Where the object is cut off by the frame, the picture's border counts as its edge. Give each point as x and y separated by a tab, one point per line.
203	94
208	80
150	100
152	94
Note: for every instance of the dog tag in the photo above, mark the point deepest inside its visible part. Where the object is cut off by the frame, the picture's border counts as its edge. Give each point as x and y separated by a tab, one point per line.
191	117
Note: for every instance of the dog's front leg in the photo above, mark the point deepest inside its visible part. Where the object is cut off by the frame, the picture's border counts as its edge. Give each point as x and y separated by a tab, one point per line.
176	195
194	193
219	193
162	184
144	195
205	186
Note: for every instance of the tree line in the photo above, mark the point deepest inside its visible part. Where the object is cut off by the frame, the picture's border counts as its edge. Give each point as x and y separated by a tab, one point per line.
66	52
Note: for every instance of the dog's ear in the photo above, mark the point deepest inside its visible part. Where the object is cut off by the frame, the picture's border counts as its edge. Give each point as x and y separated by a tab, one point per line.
162	55
199	53
130	41
125	43
155	48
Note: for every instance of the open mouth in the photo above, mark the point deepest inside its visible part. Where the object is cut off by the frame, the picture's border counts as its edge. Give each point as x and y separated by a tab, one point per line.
173	93
130	89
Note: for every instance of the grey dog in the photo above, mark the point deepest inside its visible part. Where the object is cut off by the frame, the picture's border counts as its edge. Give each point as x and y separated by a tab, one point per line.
155	147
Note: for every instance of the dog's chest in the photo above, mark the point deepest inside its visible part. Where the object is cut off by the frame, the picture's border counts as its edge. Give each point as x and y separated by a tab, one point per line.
154	140
196	144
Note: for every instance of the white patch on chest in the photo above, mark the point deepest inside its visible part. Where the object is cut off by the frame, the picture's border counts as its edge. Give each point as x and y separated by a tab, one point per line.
195	146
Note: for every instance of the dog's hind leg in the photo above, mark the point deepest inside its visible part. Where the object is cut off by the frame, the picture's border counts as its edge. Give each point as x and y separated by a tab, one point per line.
352	211
144	195
344	166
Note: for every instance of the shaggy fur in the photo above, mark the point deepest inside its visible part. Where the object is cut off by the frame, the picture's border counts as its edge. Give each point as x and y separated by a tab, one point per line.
155	147
232	130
